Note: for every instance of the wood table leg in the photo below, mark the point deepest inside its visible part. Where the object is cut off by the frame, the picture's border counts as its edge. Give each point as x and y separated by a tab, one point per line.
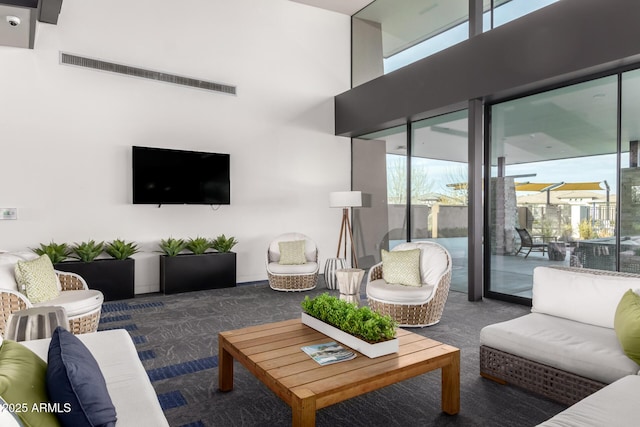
225	367
303	408
451	385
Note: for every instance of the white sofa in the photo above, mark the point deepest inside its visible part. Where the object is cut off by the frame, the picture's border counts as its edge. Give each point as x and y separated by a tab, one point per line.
614	405
129	387
566	348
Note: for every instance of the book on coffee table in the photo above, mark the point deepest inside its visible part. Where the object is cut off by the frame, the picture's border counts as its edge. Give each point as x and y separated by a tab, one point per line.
327	353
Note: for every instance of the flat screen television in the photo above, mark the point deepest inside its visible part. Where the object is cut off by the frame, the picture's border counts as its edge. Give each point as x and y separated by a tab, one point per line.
163	176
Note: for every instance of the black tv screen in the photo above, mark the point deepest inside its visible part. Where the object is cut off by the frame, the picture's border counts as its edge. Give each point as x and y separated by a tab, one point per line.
163	176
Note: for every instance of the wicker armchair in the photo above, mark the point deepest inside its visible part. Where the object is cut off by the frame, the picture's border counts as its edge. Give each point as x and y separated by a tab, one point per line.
80	298
82	305
300	277
412	306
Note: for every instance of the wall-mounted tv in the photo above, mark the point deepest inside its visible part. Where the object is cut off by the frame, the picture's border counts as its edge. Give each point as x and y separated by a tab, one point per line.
163	176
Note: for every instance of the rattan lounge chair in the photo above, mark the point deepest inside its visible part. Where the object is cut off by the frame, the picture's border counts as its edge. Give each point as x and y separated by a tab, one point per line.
83	305
412	306
299	277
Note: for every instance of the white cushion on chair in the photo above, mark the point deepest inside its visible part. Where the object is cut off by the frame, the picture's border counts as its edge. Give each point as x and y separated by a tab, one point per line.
400	294
76	302
308	268
434	261
310	249
8	263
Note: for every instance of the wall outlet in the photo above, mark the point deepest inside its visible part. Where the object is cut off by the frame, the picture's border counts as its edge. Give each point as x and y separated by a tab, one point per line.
8	213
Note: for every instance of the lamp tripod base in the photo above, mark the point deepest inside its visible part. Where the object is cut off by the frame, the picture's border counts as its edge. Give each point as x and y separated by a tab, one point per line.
347	234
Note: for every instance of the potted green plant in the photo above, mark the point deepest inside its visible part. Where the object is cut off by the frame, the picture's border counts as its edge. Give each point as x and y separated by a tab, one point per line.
198	246
357	327
223	244
188	265
112	274
172	246
121	249
87	251
57	252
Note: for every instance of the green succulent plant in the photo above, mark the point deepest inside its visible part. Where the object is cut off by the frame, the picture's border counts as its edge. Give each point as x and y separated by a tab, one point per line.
87	251
223	244
56	252
120	249
172	247
361	322
198	246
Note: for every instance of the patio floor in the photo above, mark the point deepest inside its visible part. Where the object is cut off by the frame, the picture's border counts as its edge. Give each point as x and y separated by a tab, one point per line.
510	274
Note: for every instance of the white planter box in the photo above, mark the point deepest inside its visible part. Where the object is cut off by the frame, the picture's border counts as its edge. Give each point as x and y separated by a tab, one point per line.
370	350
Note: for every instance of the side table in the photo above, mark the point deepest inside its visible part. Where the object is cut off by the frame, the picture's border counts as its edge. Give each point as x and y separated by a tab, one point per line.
330	267
349	280
35	323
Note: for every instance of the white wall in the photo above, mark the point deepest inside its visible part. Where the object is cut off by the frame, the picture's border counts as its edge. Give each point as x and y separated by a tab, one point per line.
66	132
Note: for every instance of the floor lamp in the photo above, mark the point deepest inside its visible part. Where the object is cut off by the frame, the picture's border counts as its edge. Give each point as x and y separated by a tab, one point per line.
346	200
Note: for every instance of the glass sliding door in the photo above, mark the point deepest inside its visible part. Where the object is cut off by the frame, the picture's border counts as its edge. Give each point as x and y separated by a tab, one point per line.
379	165
630	174
439	190
553	177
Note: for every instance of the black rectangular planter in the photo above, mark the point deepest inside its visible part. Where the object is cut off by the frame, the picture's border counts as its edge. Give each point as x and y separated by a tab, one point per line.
113	277
189	272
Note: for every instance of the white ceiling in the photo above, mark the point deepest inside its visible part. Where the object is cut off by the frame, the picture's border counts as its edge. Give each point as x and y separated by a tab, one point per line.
348	7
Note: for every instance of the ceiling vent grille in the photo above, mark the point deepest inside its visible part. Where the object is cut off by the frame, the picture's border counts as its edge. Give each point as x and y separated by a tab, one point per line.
127	70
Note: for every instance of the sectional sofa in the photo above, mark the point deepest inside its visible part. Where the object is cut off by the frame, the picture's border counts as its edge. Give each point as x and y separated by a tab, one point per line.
567	348
129	388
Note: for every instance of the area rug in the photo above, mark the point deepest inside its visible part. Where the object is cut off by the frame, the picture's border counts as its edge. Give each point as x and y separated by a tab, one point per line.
176	339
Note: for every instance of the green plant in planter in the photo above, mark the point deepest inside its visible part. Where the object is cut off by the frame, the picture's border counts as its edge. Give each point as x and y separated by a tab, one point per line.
171	246
361	322
198	246
223	244
56	252
87	251
119	249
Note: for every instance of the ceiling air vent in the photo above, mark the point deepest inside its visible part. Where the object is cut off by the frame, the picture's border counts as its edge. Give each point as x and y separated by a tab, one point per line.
127	70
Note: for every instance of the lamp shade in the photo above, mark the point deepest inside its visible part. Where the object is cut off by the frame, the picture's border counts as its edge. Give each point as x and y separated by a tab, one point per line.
345	199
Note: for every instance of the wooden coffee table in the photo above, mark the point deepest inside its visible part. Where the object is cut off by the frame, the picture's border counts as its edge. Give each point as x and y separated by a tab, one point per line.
272	353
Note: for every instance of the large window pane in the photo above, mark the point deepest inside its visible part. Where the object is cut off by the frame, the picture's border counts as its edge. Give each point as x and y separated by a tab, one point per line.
506	11
553	159
380	172
439	177
630	174
390	34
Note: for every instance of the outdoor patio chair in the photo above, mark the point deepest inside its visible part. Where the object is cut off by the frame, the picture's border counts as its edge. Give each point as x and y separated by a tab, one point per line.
292	263
419	304
527	242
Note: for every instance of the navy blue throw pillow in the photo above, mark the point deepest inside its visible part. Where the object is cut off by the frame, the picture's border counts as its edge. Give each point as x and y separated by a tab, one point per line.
75	381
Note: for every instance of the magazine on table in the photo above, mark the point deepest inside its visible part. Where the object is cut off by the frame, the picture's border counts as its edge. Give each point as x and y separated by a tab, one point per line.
329	352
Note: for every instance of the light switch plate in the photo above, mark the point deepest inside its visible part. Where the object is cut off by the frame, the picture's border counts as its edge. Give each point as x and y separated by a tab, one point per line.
8	213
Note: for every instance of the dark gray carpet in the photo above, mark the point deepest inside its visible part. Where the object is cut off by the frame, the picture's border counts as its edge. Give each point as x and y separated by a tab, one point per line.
176	337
